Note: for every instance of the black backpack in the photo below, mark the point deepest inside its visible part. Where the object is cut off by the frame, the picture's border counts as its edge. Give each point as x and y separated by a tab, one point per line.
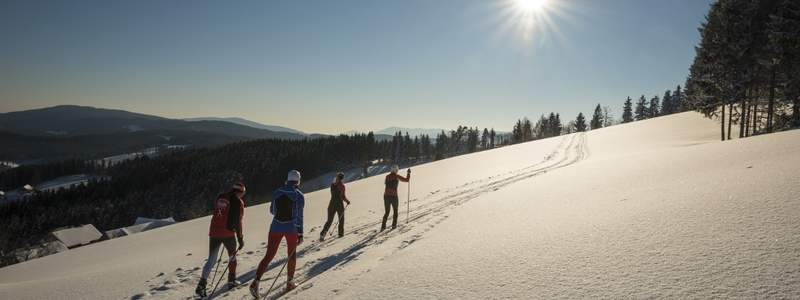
284	207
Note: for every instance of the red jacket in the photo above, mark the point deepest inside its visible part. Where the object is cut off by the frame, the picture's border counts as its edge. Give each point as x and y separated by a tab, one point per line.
392	180
228	216
337	192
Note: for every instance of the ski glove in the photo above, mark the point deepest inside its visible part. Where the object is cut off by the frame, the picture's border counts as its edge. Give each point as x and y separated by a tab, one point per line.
241	242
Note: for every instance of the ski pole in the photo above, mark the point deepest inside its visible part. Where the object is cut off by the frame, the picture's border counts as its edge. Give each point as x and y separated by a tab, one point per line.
219	280
408	198
280	272
216	266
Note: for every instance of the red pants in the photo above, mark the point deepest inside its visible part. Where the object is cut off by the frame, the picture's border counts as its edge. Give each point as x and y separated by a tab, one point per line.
273	242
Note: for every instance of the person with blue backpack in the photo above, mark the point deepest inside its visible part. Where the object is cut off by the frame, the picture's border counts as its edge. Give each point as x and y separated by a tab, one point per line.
287	222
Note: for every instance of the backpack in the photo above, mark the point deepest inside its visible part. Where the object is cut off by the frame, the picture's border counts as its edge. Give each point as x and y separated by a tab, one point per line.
284	207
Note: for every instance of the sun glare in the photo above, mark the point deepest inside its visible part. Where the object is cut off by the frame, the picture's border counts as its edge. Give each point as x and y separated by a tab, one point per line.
533	21
531	6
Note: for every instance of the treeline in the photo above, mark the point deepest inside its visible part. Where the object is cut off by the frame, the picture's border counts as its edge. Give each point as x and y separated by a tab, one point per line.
34	174
672	102
551	125
747	66
455	142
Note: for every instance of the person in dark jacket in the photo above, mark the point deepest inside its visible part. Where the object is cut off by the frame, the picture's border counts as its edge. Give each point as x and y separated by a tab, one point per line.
225	230
390	194
287	222
336	206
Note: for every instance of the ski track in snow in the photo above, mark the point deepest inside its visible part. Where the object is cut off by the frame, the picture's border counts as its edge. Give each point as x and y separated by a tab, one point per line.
312	262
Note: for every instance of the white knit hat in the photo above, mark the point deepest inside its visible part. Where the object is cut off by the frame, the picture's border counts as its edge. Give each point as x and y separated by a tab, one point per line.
294	175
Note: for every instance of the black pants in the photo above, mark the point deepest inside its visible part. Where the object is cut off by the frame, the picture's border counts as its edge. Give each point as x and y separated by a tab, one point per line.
338	209
393	202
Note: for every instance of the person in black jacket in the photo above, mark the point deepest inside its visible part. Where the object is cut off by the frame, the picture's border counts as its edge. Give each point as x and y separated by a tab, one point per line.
336	206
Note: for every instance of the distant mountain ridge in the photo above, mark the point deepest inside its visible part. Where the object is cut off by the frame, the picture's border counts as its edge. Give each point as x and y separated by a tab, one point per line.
245	122
82	131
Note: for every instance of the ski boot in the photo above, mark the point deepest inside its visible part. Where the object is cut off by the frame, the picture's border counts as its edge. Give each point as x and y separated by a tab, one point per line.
233	284
254	289
290	286
201	288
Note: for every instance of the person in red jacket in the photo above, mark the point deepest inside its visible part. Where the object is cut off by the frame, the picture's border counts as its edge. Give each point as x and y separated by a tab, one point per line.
225	229
390	194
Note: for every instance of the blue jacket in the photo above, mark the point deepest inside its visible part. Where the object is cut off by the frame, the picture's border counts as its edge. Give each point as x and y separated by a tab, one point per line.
295	223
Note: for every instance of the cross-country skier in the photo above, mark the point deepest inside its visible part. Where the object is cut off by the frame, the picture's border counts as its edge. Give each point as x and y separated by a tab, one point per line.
287	222
336	206
225	229
390	194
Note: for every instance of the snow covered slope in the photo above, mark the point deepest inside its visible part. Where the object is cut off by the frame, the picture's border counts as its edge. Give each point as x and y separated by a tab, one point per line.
656	208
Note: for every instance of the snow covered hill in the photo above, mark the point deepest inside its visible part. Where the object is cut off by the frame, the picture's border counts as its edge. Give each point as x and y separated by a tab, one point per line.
656	208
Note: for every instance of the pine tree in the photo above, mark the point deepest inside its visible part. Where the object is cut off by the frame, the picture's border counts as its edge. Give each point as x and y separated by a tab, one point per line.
540	129
527	130
492	136
627	111
677	100
557	126
653	110
784	29
580	123
641	109
485	138
516	132
472	139
666	103
597	118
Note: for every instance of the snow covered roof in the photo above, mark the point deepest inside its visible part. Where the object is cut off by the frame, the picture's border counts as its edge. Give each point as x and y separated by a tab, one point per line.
142	220
77	236
141	225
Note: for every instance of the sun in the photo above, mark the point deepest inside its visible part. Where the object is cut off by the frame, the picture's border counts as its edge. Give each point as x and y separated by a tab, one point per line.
531	6
533	21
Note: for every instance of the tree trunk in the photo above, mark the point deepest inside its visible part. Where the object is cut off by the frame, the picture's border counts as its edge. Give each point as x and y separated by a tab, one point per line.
755	118
730	118
796	111
743	114
747	121
771	105
722	123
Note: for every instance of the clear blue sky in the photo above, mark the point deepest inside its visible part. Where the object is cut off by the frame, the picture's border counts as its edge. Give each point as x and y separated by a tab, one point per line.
333	66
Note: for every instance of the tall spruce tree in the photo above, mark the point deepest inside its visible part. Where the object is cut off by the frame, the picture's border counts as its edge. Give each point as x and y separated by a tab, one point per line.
653	110
492	135
641	111
580	123
627	111
666	103
677	100
597	118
